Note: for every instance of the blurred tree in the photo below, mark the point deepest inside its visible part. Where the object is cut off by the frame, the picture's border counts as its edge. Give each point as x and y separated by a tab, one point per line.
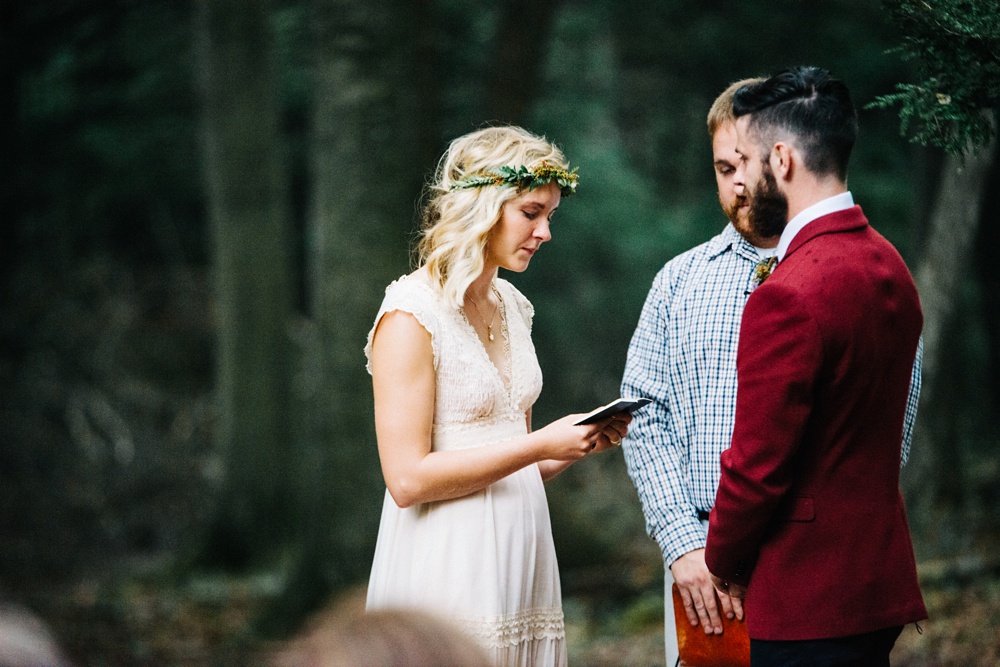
102	142
521	48
365	152
956	47
98	196
247	205
989	275
11	66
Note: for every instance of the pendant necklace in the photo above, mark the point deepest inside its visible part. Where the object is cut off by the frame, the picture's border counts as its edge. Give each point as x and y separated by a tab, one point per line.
489	327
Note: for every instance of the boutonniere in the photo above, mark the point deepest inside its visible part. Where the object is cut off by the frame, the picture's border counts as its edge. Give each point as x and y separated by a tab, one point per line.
762	271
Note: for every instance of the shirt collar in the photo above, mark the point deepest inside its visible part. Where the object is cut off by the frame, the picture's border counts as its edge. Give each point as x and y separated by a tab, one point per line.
827	206
729	238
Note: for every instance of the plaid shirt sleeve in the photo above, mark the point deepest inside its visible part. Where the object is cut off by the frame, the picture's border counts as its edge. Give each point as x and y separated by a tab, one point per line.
656	459
911	401
683	356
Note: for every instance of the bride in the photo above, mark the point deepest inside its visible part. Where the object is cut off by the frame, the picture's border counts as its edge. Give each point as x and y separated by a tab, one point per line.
465	529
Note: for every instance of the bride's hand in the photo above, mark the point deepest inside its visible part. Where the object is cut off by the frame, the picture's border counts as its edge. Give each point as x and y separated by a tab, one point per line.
563	440
613	431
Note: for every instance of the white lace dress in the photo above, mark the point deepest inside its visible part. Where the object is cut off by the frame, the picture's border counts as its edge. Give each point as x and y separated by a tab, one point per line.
485	560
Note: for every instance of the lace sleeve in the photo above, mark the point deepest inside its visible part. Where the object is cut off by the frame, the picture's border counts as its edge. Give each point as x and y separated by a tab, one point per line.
518	302
413	297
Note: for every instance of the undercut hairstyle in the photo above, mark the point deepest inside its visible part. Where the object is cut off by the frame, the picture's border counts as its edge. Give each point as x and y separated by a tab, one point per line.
457	222
812	106
722	108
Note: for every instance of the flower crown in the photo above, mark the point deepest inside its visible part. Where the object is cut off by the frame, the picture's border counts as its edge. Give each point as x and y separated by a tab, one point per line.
523	178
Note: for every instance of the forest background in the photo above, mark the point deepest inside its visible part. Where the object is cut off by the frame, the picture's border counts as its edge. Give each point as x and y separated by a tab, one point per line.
203	202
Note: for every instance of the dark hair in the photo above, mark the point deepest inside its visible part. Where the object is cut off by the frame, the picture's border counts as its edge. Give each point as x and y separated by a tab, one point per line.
812	105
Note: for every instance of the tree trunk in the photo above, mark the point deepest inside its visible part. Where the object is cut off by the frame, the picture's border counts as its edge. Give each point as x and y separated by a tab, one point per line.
247	205
12	54
366	175
521	48
939	274
989	279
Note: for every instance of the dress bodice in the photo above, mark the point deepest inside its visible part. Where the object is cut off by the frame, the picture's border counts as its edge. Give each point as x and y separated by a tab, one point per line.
471	400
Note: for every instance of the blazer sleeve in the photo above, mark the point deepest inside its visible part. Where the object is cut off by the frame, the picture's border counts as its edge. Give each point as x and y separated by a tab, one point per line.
778	361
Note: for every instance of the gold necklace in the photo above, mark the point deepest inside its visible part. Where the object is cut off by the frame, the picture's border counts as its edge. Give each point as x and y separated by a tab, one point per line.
489	327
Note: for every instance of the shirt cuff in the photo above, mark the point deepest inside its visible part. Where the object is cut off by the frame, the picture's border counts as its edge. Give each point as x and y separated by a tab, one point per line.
682	536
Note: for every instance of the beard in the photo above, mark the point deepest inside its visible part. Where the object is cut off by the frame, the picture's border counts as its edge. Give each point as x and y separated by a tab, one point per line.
732	211
768	212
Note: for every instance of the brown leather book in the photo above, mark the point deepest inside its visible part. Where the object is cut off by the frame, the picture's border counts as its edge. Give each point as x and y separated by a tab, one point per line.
730	649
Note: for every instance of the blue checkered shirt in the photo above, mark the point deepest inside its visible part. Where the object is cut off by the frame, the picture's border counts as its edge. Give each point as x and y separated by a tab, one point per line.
683	356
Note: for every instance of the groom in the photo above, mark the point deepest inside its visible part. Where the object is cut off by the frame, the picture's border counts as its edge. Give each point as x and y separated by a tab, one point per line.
808	522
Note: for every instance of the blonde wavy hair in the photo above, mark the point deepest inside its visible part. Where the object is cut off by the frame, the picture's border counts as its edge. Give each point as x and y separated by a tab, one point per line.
457	223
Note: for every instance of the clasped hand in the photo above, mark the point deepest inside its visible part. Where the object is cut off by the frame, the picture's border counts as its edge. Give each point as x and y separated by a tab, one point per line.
612	432
706	597
569	441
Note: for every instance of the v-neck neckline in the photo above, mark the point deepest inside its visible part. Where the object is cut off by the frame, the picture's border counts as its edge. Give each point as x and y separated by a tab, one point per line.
484	355
470	332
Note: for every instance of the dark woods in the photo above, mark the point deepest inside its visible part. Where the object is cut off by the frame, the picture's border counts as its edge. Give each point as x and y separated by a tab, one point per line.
202	202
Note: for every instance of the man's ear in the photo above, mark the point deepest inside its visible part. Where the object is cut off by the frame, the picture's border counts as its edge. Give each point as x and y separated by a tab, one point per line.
783	161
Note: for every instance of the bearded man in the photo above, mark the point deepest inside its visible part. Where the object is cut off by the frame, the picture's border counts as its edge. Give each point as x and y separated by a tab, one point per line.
808	526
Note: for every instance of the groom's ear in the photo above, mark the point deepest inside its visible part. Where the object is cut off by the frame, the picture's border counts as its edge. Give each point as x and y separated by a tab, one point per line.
784	161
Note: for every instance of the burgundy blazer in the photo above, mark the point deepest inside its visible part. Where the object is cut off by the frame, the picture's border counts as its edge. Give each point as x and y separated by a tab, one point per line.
808	512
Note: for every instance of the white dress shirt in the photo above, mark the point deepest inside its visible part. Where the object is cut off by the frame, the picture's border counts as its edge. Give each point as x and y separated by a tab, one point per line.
840	202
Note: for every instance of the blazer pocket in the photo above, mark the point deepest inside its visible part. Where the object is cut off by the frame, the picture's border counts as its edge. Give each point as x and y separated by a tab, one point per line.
799	508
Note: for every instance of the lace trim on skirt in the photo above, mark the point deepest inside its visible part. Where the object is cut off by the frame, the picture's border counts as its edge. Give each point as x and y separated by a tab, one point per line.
524	626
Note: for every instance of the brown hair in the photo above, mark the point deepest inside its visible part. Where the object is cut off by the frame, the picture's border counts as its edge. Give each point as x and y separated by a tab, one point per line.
382	638
722	108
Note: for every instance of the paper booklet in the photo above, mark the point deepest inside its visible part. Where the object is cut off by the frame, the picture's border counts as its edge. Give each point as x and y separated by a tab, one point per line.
613	408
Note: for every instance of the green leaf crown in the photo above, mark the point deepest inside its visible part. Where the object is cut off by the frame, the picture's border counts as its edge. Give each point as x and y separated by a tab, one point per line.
522	178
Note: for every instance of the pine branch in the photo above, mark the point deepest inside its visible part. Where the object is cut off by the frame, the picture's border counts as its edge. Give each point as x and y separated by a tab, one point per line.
955	45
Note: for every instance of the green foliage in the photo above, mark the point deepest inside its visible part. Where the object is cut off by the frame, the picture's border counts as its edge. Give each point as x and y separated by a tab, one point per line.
956	47
523	178
106	145
644	612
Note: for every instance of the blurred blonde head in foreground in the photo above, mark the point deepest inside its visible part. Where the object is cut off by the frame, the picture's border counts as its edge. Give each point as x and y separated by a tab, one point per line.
25	641
384	638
